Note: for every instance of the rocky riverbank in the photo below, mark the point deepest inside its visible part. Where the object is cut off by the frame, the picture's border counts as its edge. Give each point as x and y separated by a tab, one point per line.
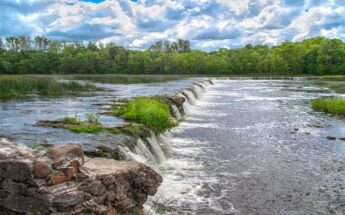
63	181
60	179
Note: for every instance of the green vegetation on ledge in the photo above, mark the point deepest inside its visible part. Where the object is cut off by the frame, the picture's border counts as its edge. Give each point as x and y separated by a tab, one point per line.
147	111
90	125
16	86
86	128
331	106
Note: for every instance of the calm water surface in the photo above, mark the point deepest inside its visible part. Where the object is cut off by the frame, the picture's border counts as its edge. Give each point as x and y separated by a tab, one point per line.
18	118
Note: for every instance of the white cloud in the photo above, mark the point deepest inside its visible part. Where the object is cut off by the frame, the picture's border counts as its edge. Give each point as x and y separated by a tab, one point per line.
209	24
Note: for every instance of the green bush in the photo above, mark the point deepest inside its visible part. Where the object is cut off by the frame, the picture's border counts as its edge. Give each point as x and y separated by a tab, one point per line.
331	106
148	111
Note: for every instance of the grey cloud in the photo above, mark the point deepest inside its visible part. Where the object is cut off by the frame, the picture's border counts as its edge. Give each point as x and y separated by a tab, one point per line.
217	34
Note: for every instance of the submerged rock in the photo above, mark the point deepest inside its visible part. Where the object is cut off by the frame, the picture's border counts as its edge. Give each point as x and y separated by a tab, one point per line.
177	100
331	137
63	181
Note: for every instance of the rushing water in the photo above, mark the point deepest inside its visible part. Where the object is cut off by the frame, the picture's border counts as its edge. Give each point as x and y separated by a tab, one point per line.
255	147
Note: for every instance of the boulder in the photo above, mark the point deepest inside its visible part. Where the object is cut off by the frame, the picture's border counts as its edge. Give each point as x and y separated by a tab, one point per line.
63	155
329	137
62	181
42	168
177	100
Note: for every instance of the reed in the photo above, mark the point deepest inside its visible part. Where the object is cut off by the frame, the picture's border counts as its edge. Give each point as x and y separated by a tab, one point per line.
18	86
125	79
337	86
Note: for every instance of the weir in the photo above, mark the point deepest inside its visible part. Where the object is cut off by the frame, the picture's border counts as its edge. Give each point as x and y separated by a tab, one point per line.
154	149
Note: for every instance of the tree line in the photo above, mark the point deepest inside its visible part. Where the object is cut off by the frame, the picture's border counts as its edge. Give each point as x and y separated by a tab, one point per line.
42	55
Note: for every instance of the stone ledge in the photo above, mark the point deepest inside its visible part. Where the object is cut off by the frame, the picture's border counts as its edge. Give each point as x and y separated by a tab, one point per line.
63	181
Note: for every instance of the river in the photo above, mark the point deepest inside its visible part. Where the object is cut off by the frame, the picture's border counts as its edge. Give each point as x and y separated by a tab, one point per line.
245	147
256	147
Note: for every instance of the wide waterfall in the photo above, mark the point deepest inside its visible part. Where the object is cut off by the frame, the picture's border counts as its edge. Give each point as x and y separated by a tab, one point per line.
154	149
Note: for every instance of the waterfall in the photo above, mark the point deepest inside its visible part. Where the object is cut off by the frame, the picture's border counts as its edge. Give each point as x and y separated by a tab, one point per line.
190	97
131	155
155	147
164	141
176	112
198	91
153	150
186	105
144	151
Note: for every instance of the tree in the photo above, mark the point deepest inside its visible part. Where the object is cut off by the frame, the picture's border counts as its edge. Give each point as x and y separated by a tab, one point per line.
2	45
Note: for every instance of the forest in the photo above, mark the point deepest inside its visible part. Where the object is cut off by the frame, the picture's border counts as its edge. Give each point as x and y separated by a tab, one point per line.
42	55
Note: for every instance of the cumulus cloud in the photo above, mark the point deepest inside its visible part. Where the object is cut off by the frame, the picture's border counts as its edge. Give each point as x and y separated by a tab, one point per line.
208	24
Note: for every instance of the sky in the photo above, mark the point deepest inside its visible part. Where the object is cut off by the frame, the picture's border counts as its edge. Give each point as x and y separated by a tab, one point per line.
208	24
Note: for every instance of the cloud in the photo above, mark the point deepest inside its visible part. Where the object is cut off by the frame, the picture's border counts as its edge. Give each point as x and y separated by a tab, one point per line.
209	24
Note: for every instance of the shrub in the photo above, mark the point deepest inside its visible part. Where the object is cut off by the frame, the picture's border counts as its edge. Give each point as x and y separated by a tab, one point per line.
148	111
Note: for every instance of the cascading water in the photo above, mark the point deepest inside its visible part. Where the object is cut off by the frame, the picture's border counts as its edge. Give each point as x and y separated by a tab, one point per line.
176	112
145	152
190	97
154	150
155	147
198	91
164	142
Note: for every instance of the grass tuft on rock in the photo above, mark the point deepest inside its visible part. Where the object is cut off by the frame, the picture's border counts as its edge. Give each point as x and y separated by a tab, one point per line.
86	128
90	125
147	111
331	106
17	86
72	120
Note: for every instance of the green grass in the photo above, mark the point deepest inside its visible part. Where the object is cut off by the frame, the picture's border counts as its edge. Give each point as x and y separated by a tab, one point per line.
92	119
17	86
337	86
125	79
86	128
331	106
90	125
72	120
39	147
115	131
147	111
